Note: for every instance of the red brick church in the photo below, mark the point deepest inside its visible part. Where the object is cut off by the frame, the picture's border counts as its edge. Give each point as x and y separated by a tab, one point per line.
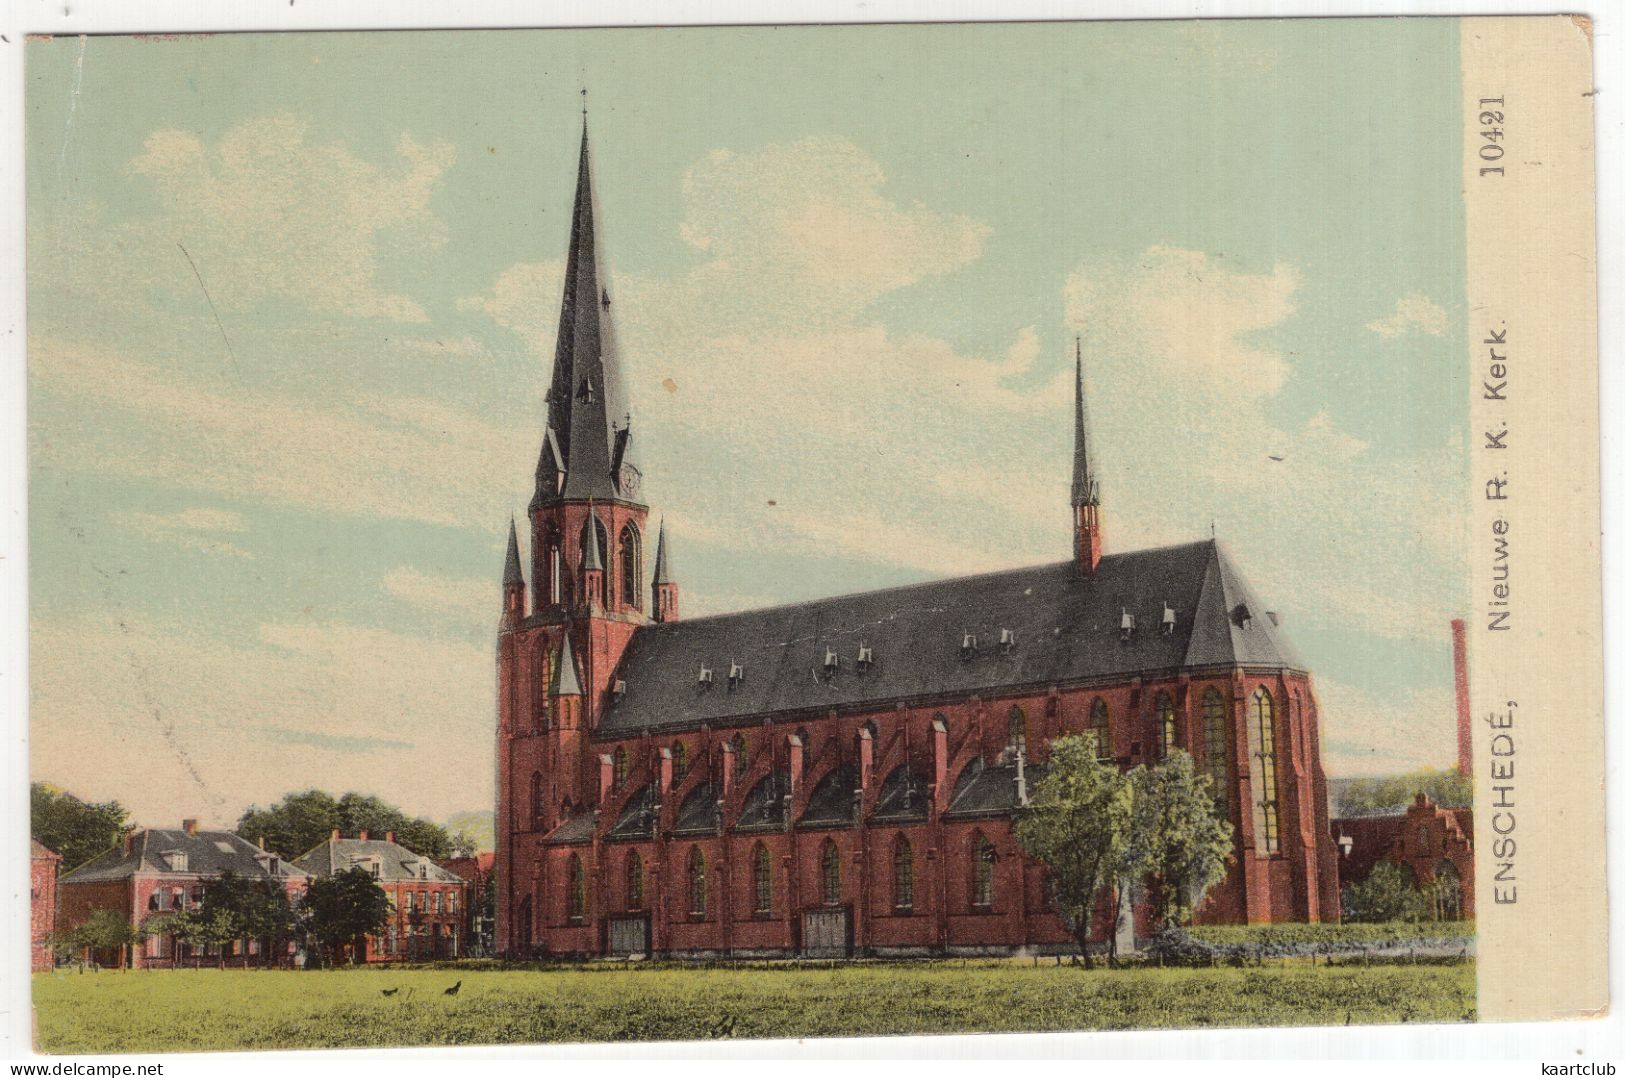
842	776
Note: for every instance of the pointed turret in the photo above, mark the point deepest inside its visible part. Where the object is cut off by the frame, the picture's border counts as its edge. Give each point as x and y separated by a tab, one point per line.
586	449
1085	487
665	588
592	561
566	679
513	582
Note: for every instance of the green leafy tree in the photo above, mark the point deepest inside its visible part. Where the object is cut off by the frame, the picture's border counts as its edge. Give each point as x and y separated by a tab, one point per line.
301	821
1391	793
1077	823
343	909
1387	894
180	925
1175	837
78	830
106	930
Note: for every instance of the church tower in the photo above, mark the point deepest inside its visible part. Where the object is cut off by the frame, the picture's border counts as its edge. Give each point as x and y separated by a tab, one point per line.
1086	525
589	591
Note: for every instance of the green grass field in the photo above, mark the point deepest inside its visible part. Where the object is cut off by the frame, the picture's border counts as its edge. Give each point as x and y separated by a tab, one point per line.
204	1010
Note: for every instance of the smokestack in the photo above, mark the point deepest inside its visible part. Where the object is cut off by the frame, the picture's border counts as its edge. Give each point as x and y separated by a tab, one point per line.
389	836
189	826
363	836
1464	712
335	834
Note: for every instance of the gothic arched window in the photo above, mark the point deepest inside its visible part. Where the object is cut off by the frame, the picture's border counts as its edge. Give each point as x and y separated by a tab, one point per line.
634	881
1018	732
741	754
762	876
576	897
1266	809
631	566
902	876
537	800
982	857
697	889
830	873
552	569
1167	726
621	764
1216	744
1100	729
679	760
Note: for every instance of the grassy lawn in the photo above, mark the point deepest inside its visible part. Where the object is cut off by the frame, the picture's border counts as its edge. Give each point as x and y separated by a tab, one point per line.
216	1010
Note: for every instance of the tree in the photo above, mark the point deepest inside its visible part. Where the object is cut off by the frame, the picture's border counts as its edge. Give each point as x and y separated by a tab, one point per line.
179	925
78	830
343	909
1077	823
1391	793
106	930
1175	837
303	820
1385	895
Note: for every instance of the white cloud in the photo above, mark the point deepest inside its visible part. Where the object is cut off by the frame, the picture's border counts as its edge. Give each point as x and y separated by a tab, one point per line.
1414	311
471	600
379	457
196	528
265	212
211	725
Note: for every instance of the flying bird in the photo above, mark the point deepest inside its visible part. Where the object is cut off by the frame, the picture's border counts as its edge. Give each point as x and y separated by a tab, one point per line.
1274	457
452	991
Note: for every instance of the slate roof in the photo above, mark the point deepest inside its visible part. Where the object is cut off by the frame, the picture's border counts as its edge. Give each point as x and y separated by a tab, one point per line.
1067	627
586	401
396	863
989	791
765	804
637	818
575	831
698	814
208	853
904	797
831	802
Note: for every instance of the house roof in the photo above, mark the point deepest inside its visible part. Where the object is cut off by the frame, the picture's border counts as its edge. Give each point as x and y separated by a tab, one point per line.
1067	627
396	863
575	831
208	853
38	851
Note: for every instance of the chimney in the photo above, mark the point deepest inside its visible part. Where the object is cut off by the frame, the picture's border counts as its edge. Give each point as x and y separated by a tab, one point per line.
389	837
262	842
362	836
336	835
189	826
1464	713
129	842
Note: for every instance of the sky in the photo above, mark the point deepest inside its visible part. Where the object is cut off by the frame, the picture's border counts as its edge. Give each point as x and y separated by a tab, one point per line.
292	297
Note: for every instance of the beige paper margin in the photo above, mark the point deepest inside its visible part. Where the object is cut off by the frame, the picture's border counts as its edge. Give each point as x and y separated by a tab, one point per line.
1536	684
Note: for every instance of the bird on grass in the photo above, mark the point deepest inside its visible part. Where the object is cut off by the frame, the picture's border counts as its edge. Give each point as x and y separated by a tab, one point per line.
452	991
390	991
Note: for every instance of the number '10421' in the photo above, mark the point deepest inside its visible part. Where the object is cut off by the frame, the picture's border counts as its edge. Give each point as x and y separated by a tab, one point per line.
1489	122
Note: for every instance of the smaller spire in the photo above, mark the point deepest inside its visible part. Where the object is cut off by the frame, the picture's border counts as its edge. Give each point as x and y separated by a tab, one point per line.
512	574
1085	488
567	681
589	542
662	566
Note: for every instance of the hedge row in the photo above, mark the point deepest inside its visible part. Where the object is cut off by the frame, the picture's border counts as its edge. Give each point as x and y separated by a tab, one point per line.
1356	936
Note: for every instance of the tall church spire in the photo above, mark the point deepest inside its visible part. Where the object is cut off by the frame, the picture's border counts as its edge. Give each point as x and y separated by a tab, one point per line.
1085	488
586	448
1086	527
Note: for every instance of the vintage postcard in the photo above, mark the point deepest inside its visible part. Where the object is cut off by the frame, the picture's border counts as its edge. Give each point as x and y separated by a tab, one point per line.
549	536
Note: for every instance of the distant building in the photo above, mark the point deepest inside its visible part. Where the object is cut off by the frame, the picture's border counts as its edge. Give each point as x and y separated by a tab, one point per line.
1432	846
44	864
157	870
478	928
429	903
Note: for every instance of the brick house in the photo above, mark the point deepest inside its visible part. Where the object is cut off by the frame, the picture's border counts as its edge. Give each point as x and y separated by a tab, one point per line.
1430	844
429	905
476	871
842	776
154	870
43	866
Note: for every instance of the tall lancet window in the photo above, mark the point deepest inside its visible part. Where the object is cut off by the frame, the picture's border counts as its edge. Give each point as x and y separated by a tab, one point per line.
576	896
697	883
1216	744
830	873
631	551
1167	725
553	568
1100	728
1266	809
